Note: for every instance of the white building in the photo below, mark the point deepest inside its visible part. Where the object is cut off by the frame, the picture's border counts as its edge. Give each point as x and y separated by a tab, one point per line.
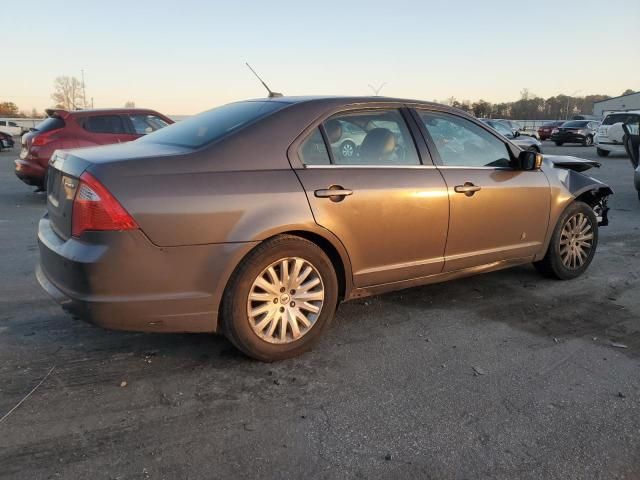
623	102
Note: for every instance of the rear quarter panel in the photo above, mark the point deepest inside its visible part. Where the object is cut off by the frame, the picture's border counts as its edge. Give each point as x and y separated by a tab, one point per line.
197	208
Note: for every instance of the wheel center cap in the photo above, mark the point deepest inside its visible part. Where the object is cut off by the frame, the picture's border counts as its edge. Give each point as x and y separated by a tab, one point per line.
285	298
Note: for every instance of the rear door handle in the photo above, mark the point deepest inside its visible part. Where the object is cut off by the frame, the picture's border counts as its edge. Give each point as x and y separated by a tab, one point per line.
468	188
335	193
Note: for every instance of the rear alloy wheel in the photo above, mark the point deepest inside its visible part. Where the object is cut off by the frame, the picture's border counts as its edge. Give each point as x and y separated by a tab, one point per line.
281	298
602	153
573	243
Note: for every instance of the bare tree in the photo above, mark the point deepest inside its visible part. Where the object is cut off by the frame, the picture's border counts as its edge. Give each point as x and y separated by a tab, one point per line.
68	93
130	104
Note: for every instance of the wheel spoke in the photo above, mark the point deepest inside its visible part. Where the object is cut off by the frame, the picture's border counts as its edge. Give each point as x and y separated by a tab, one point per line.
261	309
309	285
265	321
273	276
300	316
295	330
284	321
266	286
260	297
310	296
309	306
284	272
303	276
274	324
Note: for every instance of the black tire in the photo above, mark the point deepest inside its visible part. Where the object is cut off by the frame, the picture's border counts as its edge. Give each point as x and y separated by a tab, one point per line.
551	265
588	141
235	318
602	153
559	144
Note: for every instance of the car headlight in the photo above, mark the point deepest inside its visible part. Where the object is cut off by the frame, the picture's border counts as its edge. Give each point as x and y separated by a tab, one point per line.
555	130
581	132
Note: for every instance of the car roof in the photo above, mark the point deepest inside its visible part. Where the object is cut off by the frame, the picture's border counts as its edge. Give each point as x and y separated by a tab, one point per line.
346	100
623	112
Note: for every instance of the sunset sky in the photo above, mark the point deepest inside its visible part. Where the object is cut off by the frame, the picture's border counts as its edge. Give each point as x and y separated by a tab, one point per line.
182	57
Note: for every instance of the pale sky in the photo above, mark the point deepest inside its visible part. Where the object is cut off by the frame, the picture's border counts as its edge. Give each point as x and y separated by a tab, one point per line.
185	56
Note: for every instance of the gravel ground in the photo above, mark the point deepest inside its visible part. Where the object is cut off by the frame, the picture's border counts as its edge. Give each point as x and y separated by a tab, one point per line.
506	375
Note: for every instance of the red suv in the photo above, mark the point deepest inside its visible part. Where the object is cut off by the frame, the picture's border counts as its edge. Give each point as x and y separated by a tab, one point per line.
82	128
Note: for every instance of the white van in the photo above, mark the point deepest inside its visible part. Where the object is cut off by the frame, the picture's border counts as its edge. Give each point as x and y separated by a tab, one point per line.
609	136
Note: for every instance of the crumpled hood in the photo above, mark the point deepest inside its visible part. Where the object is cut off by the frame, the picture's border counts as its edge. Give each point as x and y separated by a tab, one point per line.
571	163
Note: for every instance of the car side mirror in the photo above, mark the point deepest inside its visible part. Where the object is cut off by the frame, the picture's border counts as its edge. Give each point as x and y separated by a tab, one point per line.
528	160
516	133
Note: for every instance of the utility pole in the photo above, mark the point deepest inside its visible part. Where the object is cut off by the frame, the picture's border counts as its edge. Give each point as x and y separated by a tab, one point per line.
568	98
376	91
84	92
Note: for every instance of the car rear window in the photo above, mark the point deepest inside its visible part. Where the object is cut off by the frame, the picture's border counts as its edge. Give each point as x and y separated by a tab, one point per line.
577	123
51	123
104	124
620	117
211	125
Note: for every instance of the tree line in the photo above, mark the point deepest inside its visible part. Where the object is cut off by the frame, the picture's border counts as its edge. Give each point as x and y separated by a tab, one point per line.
532	107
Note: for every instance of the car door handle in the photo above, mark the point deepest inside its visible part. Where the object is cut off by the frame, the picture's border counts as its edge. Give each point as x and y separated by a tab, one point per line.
335	193
468	188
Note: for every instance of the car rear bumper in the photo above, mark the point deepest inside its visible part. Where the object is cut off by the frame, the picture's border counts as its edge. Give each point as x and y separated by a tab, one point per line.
611	147
121	281
29	172
568	138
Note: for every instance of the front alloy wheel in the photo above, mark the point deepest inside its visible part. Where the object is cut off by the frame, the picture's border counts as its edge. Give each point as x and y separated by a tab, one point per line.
576	241
573	243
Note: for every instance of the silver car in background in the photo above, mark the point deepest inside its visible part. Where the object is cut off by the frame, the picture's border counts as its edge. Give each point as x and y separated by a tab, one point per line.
524	142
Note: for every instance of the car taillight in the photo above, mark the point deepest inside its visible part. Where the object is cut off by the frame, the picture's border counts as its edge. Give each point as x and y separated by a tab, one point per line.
94	208
43	138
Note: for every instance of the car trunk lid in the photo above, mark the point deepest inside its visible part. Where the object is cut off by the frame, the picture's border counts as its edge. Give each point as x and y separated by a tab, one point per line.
66	167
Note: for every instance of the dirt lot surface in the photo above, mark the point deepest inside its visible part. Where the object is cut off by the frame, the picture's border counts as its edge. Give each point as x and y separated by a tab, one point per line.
506	375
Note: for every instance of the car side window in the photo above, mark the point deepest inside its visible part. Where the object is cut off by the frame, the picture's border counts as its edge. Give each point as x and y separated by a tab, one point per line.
375	137
462	143
144	123
104	124
313	150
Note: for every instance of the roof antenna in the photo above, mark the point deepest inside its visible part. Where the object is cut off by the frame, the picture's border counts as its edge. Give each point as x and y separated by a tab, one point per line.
271	94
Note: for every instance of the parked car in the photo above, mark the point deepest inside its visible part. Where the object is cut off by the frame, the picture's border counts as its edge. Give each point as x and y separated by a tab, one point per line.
526	143
6	141
83	128
544	132
611	134
12	128
575	131
243	220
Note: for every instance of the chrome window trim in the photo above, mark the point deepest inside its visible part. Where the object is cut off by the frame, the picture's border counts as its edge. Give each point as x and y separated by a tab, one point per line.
429	167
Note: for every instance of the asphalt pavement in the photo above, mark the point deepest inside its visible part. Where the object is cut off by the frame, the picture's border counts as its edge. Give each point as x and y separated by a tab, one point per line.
506	375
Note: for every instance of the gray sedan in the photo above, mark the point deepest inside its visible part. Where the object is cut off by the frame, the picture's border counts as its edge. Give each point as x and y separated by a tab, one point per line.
524	142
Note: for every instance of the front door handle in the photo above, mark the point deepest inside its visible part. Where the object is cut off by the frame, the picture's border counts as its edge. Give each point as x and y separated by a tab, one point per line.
335	193
468	188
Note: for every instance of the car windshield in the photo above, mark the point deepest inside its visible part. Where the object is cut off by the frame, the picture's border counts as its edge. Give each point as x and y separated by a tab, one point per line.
213	124
577	123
